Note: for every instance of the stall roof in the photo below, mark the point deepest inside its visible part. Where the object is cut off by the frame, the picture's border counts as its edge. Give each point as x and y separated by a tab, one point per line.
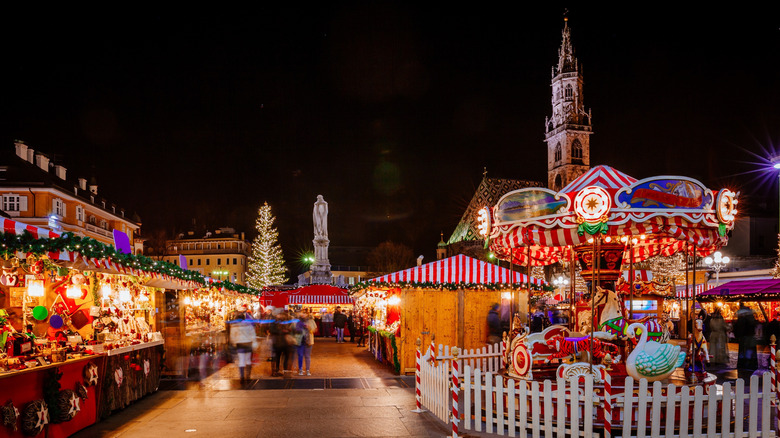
312	294
457	269
744	290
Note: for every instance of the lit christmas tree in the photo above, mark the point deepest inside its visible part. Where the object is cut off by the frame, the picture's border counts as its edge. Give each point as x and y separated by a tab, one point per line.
266	264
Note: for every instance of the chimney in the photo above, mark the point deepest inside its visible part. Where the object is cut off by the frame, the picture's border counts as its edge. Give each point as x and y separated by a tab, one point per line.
93	185
60	171
21	149
42	161
419	261
30	155
82	184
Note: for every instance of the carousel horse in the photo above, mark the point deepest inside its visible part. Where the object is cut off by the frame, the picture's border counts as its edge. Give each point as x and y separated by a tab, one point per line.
698	351
612	318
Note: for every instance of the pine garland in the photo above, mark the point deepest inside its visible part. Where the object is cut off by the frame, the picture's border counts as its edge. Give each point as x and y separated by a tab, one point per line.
26	243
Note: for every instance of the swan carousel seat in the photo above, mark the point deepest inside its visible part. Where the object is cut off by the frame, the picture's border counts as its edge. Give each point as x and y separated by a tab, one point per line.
651	360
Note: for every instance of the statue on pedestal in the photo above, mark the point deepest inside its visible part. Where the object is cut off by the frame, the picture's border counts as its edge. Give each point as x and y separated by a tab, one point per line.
320	218
320	270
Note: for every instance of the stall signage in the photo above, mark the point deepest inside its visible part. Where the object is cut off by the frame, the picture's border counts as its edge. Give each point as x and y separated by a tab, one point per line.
122	242
666	193
17	296
528	203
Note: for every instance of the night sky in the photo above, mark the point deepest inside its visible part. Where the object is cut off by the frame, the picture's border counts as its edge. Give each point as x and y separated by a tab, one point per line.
389	110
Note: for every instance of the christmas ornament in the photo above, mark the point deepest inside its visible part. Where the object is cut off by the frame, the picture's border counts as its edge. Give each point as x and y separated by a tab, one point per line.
81	391
90	374
35	416
40	313
78	279
119	376
69	405
56	321
10	414
9	278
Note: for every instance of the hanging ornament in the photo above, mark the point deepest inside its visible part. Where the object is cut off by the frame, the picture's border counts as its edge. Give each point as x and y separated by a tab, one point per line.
119	376
78	279
81	391
35	416
40	313
69	405
9	278
37	267
90	374
10	414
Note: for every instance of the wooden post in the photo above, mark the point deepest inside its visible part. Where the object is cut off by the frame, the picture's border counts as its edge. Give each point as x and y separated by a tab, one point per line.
461	316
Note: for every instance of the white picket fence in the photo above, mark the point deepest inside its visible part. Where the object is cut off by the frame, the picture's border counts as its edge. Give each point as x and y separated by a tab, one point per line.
493	404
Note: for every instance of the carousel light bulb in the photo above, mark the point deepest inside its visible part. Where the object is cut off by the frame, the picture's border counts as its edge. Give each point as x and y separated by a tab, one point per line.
634	240
73	292
124	295
624	239
590	240
35	288
642	236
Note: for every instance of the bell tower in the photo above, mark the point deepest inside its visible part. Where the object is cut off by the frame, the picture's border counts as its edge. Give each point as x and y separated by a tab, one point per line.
568	130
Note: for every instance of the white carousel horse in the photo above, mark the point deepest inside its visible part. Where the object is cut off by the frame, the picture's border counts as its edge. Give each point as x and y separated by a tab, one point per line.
612	318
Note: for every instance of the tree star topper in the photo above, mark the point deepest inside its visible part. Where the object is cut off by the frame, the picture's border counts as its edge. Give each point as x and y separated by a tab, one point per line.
591	205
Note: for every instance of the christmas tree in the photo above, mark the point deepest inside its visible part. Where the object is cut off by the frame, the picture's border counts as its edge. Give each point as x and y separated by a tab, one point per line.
266	264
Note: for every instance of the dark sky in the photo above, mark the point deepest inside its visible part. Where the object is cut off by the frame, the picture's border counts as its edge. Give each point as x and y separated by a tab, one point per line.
390	110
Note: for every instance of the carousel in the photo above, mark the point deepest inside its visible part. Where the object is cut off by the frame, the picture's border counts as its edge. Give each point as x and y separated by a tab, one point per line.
604	222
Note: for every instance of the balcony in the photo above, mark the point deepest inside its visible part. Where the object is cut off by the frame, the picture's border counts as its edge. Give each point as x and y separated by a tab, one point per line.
98	230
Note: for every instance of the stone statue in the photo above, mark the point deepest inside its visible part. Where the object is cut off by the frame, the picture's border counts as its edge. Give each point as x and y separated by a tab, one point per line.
320	218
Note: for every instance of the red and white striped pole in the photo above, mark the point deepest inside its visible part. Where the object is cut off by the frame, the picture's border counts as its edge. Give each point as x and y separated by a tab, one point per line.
775	389
433	350
607	401
503	350
417	393
455	392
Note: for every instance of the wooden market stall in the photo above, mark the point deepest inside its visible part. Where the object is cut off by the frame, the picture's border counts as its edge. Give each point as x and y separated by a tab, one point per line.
316	298
448	299
762	295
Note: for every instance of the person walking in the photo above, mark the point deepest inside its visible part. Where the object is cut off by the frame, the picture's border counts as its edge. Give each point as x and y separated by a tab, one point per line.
494	325
307	327
280	332
351	325
340	321
745	332
718	338
327	323
242	336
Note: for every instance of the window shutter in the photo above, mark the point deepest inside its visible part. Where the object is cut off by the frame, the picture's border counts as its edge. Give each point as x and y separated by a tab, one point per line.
22	203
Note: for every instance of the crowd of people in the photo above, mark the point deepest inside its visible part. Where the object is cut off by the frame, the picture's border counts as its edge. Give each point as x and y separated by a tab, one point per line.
280	336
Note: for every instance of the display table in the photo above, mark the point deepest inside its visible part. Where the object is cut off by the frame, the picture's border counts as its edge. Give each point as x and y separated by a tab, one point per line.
383	346
130	373
25	386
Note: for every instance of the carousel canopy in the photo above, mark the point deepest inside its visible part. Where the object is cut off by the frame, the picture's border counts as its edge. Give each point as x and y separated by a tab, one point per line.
316	294
457	269
664	213
744	290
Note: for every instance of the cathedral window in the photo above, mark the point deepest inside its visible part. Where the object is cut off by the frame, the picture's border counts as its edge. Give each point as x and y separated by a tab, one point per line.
558	154
569	93
558	184
576	150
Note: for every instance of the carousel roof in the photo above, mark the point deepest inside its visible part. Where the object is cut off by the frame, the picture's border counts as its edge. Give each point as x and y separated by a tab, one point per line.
663	213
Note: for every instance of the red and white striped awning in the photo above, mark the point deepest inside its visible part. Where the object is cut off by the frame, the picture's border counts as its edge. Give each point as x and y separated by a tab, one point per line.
601	176
457	269
313	294
681	290
639	275
18	228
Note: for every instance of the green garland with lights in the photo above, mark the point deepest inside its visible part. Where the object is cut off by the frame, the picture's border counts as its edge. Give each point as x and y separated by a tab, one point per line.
26	243
359	287
391	337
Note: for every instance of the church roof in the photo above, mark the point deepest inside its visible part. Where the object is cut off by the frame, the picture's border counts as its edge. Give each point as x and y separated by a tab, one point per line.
566	61
487	194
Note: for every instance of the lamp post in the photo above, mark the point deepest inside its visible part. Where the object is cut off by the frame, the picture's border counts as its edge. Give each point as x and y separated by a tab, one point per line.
776	166
717	262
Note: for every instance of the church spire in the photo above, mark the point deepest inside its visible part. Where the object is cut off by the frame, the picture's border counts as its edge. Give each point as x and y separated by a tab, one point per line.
567	63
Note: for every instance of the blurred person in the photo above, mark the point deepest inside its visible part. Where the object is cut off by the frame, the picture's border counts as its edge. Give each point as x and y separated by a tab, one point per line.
494	325
340	321
351	325
242	336
718	338
307	327
745	333
360	326
280	332
327	323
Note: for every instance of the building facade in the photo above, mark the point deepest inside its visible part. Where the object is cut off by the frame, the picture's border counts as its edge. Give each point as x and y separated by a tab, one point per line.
221	254
37	191
568	130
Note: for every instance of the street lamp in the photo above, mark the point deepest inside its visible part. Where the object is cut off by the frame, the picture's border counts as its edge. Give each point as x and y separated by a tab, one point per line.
717	262
220	273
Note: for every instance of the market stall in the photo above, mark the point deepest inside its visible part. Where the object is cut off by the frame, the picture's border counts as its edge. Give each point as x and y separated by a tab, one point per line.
763	296
318	299
448	298
79	328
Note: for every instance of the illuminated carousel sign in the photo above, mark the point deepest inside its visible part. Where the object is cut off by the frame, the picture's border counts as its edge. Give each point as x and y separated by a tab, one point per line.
591	206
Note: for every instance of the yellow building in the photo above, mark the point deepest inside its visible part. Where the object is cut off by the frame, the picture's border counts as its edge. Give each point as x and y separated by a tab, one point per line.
221	254
38	191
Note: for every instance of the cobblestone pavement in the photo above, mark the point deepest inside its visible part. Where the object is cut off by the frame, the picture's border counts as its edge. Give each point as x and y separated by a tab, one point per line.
348	395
